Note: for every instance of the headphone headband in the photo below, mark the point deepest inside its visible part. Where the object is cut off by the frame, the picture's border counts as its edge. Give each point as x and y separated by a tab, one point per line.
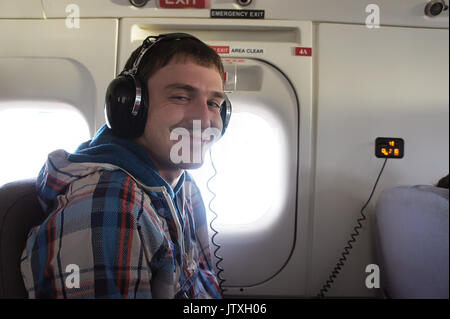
151	41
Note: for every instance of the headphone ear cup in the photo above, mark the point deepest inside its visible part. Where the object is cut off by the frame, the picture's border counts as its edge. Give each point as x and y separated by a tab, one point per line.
138	124
119	103
225	114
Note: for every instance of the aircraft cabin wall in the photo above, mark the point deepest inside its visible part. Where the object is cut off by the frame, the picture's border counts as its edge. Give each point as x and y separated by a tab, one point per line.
298	158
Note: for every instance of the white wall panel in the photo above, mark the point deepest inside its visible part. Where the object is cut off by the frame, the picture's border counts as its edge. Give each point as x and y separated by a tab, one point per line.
45	60
387	82
21	9
398	12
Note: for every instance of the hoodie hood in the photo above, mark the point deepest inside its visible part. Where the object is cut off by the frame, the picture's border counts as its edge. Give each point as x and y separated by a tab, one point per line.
104	151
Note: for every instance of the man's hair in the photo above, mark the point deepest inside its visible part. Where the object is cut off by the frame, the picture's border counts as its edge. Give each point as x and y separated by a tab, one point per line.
182	49
443	182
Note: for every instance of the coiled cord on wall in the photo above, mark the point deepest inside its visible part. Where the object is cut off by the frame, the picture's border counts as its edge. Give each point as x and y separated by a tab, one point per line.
219	258
349	246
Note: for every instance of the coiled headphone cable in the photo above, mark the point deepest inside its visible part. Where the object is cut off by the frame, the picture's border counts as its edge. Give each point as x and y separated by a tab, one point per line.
349	246
219	258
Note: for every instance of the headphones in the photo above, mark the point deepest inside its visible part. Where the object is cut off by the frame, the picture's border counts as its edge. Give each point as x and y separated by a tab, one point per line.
126	101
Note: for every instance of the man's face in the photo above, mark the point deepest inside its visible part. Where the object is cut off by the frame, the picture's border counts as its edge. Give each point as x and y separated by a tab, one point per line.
179	94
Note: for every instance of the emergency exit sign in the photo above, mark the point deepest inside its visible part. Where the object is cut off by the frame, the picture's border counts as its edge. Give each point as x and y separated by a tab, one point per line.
180	4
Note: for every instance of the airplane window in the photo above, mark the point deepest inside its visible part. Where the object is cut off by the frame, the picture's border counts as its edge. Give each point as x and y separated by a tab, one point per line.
248	160
31	130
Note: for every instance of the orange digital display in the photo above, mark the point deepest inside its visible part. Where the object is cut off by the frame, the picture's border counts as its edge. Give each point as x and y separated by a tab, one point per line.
389	147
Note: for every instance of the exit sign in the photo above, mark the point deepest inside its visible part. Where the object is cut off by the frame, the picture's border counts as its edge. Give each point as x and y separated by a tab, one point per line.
181	4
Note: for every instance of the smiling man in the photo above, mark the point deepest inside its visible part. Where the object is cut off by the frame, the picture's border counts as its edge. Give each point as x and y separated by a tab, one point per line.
189	92
124	219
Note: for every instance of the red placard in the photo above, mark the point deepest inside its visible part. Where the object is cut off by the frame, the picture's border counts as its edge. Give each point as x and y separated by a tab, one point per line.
233	60
180	4
301	51
221	49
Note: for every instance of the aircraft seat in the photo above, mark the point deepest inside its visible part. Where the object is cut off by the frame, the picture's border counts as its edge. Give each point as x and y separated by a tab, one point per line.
19	212
412	242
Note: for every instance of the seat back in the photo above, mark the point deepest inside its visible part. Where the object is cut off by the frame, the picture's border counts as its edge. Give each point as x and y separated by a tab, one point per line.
19	212
412	241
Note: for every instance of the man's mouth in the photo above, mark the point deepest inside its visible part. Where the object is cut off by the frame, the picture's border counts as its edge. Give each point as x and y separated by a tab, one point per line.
200	139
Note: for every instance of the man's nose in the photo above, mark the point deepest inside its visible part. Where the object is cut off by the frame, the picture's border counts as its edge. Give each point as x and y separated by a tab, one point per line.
201	112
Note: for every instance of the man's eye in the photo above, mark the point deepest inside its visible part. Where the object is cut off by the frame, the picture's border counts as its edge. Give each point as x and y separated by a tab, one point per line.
214	104
180	98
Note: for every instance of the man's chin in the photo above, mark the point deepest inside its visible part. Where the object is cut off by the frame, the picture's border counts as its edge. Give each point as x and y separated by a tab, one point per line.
190	165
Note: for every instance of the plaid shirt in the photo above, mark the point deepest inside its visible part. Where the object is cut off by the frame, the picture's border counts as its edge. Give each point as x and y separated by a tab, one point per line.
107	235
